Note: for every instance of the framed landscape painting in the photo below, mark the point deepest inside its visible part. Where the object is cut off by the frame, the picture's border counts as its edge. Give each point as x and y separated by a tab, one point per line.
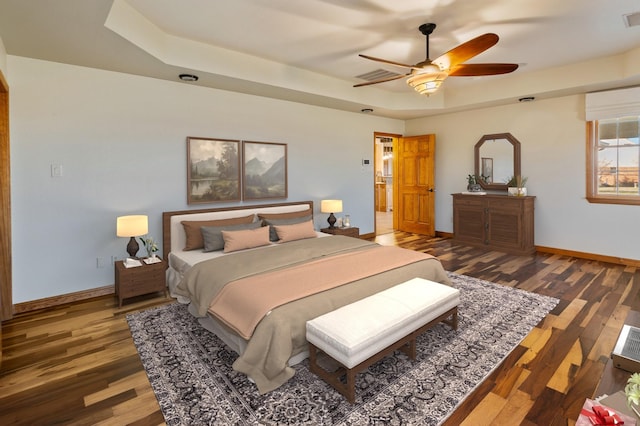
213	170
264	170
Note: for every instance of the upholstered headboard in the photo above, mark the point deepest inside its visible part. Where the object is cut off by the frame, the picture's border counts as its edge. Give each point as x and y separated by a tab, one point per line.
173	235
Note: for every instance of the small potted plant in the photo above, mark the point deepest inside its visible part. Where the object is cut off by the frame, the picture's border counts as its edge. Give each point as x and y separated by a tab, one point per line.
516	186
472	184
151	246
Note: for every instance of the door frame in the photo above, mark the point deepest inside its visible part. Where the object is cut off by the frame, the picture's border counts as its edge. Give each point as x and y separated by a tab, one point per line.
6	298
396	191
395	138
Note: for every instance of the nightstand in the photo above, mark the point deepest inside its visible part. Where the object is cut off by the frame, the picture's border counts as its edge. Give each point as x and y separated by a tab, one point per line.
140	280
352	231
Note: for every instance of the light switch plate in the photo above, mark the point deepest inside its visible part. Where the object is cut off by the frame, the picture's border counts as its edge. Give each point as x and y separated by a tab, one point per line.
56	170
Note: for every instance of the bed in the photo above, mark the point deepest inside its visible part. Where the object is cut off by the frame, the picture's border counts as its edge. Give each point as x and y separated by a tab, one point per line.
307	275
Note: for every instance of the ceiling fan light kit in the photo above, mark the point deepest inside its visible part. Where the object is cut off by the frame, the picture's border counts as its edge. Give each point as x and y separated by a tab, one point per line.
427	82
427	76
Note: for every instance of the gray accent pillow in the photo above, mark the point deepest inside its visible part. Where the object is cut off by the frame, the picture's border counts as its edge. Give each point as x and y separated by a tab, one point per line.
212	235
273	235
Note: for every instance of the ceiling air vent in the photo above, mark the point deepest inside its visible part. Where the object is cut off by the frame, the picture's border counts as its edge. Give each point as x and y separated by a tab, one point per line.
377	74
632	19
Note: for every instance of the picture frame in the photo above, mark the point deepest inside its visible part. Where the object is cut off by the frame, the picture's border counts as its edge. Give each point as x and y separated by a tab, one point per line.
264	170
487	169
213	170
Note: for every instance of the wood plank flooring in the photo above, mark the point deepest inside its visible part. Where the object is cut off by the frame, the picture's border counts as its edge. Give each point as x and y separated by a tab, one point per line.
77	364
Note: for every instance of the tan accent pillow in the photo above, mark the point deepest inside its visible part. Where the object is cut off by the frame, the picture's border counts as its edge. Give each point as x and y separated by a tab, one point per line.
194	235
250	238
273	235
288	215
294	232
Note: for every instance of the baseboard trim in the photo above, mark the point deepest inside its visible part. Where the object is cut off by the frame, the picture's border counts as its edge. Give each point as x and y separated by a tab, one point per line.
572	253
49	302
590	256
442	234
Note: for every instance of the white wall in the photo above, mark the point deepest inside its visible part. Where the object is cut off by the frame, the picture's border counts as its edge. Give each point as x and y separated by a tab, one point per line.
121	140
553	140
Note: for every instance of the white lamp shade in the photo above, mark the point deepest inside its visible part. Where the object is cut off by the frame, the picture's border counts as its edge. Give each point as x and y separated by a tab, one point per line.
132	226
330	206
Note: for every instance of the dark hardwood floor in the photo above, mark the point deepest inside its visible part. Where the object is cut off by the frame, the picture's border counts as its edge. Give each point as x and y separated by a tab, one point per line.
77	364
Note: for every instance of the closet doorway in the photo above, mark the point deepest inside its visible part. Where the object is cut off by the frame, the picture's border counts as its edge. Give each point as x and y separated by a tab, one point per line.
383	185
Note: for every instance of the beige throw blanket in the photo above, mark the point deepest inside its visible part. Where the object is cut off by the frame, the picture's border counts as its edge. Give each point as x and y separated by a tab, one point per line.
241	304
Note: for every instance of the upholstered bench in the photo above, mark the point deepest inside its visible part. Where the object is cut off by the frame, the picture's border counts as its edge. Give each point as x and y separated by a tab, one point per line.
361	333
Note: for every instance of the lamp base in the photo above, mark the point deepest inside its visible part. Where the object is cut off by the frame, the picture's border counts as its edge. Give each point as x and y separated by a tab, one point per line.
133	247
332	220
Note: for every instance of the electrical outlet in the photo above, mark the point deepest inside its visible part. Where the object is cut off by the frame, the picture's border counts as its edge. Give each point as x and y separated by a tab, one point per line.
99	262
114	259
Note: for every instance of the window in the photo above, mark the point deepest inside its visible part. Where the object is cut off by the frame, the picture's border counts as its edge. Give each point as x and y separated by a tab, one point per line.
613	155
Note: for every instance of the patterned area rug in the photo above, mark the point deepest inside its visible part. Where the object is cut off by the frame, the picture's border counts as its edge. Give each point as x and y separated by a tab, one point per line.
190	368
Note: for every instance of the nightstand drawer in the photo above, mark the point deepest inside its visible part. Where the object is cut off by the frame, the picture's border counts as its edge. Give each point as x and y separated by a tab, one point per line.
149	284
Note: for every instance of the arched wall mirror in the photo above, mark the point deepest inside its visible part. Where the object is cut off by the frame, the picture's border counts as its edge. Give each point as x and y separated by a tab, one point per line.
497	158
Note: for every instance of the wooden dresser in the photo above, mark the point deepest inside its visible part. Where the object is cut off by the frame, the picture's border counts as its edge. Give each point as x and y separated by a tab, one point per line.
497	222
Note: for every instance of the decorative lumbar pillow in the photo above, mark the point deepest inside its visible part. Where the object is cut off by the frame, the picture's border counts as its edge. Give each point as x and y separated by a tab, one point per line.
288	215
212	235
294	232
194	235
273	235
250	238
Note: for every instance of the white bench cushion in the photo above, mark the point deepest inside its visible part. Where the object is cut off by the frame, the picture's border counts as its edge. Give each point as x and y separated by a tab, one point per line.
355	332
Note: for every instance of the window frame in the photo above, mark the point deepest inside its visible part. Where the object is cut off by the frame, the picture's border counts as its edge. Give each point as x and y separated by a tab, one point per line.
592	173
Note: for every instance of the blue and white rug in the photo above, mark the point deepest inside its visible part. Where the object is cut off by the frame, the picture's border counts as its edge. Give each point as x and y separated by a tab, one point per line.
190	368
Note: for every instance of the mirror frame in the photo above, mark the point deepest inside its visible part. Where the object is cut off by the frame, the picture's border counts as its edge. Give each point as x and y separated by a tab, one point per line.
516	159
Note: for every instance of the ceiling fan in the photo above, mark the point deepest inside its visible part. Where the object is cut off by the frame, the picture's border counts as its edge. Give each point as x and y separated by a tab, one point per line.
426	76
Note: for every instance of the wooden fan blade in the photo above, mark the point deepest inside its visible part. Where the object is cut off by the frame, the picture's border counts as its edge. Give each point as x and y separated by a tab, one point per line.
466	51
385	61
382	80
471	70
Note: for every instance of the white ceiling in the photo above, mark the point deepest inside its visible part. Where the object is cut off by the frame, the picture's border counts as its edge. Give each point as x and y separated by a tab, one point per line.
307	51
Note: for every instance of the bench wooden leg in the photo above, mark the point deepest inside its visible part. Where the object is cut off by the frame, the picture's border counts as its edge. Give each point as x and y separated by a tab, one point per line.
347	387
407	344
409	349
453	321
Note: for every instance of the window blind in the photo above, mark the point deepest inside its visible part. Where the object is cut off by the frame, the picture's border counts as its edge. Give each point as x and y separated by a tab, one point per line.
612	104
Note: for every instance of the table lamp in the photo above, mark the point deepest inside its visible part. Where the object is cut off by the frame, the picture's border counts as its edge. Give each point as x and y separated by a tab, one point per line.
331	207
132	226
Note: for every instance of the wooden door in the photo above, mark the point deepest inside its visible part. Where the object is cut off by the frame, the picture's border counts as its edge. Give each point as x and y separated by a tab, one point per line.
415	198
